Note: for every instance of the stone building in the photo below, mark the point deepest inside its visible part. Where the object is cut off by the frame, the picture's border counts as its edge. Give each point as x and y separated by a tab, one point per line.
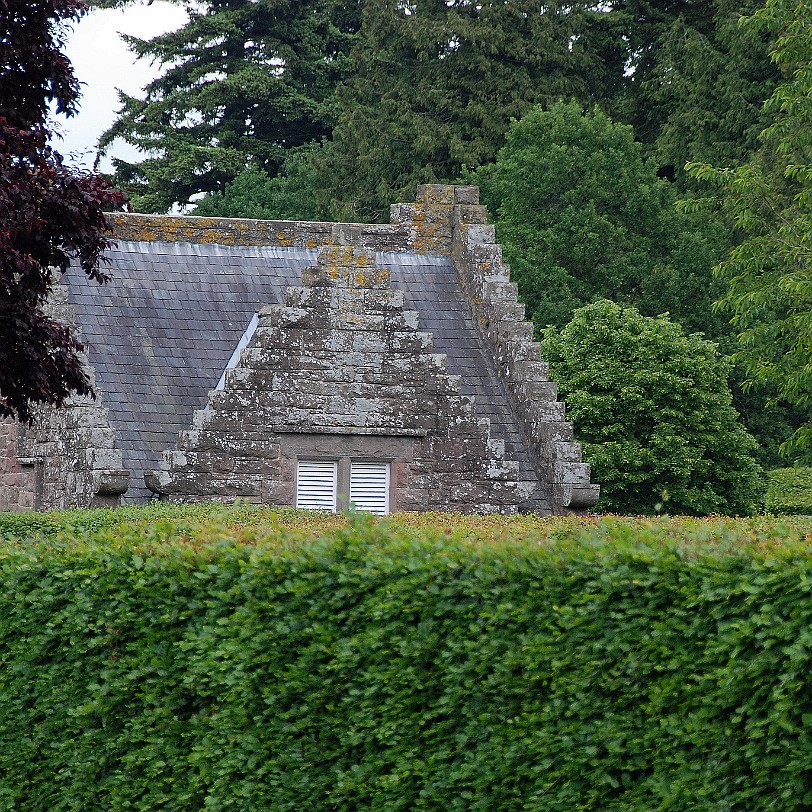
309	364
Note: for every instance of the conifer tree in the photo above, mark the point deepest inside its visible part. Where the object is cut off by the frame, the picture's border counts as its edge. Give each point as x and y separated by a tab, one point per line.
435	84
244	82
697	81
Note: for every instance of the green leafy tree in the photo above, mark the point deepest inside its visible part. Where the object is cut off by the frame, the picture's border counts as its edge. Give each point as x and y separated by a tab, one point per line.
653	410
435	84
244	83
698	81
291	195
582	215
769	273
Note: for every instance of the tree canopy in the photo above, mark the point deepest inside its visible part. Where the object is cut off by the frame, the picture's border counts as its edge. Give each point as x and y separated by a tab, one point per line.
697	81
290	195
244	83
49	213
583	216
435	83
337	108
398	93
653	410
769	272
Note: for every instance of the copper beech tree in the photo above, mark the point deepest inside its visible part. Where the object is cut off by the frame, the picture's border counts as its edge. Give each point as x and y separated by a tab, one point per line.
50	213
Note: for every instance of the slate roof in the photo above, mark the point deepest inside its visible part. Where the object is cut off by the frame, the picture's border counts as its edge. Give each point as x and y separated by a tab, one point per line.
161	332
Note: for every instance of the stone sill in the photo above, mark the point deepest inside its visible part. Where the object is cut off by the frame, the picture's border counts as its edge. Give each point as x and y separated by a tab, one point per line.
352	430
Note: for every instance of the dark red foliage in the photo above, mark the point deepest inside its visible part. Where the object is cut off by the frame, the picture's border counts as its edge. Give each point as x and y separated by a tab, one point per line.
49	212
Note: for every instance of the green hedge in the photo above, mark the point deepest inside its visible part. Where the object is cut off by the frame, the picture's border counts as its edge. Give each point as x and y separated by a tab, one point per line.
620	666
790	491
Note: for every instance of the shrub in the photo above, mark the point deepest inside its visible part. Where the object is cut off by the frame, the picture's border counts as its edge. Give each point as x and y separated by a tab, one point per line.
653	410
790	491
650	665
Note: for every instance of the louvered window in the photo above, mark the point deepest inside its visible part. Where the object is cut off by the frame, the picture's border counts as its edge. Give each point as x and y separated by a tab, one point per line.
316	484
369	486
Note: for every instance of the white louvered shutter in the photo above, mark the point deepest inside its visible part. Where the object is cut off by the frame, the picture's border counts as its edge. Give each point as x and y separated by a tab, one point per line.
316	484
369	486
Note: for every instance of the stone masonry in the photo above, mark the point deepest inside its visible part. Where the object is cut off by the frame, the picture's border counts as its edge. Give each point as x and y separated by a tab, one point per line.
341	368
449	219
18	476
460	404
68	457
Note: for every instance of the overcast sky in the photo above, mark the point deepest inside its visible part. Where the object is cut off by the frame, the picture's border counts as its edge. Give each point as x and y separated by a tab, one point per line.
103	63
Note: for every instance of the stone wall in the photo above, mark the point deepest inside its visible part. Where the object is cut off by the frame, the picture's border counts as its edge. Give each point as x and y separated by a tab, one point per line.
71	451
341	370
425	226
18	481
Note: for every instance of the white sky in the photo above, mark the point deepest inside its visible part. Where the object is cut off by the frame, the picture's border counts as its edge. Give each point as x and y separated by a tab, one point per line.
102	63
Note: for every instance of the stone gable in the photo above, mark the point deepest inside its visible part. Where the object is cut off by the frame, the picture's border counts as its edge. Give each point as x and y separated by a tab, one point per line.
342	370
403	342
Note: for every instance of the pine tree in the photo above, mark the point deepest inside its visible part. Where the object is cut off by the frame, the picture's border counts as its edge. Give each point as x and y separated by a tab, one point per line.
697	81
244	83
435	84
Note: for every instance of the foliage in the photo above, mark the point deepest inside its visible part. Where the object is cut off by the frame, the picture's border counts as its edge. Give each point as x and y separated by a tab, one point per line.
581	216
49	212
653	410
434	85
698	81
629	665
291	195
769	419
244	83
769	273
790	491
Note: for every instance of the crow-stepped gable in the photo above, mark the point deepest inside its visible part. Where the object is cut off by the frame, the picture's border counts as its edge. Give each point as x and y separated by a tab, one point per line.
310	364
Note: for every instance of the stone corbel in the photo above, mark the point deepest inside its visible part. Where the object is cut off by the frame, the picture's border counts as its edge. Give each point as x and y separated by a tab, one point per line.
110	482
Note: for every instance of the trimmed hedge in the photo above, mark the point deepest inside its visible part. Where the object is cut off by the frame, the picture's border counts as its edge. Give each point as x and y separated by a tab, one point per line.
611	665
790	491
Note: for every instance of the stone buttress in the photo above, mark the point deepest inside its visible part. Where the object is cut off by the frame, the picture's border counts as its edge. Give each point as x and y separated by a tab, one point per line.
341	370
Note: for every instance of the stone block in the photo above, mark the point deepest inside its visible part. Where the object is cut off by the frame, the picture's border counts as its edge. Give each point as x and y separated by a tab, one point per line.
535	391
570	473
295	296
407	341
380	301
435	194
566	451
528	370
478	234
467	214
500	290
466	195
111	483
278	316
541	413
